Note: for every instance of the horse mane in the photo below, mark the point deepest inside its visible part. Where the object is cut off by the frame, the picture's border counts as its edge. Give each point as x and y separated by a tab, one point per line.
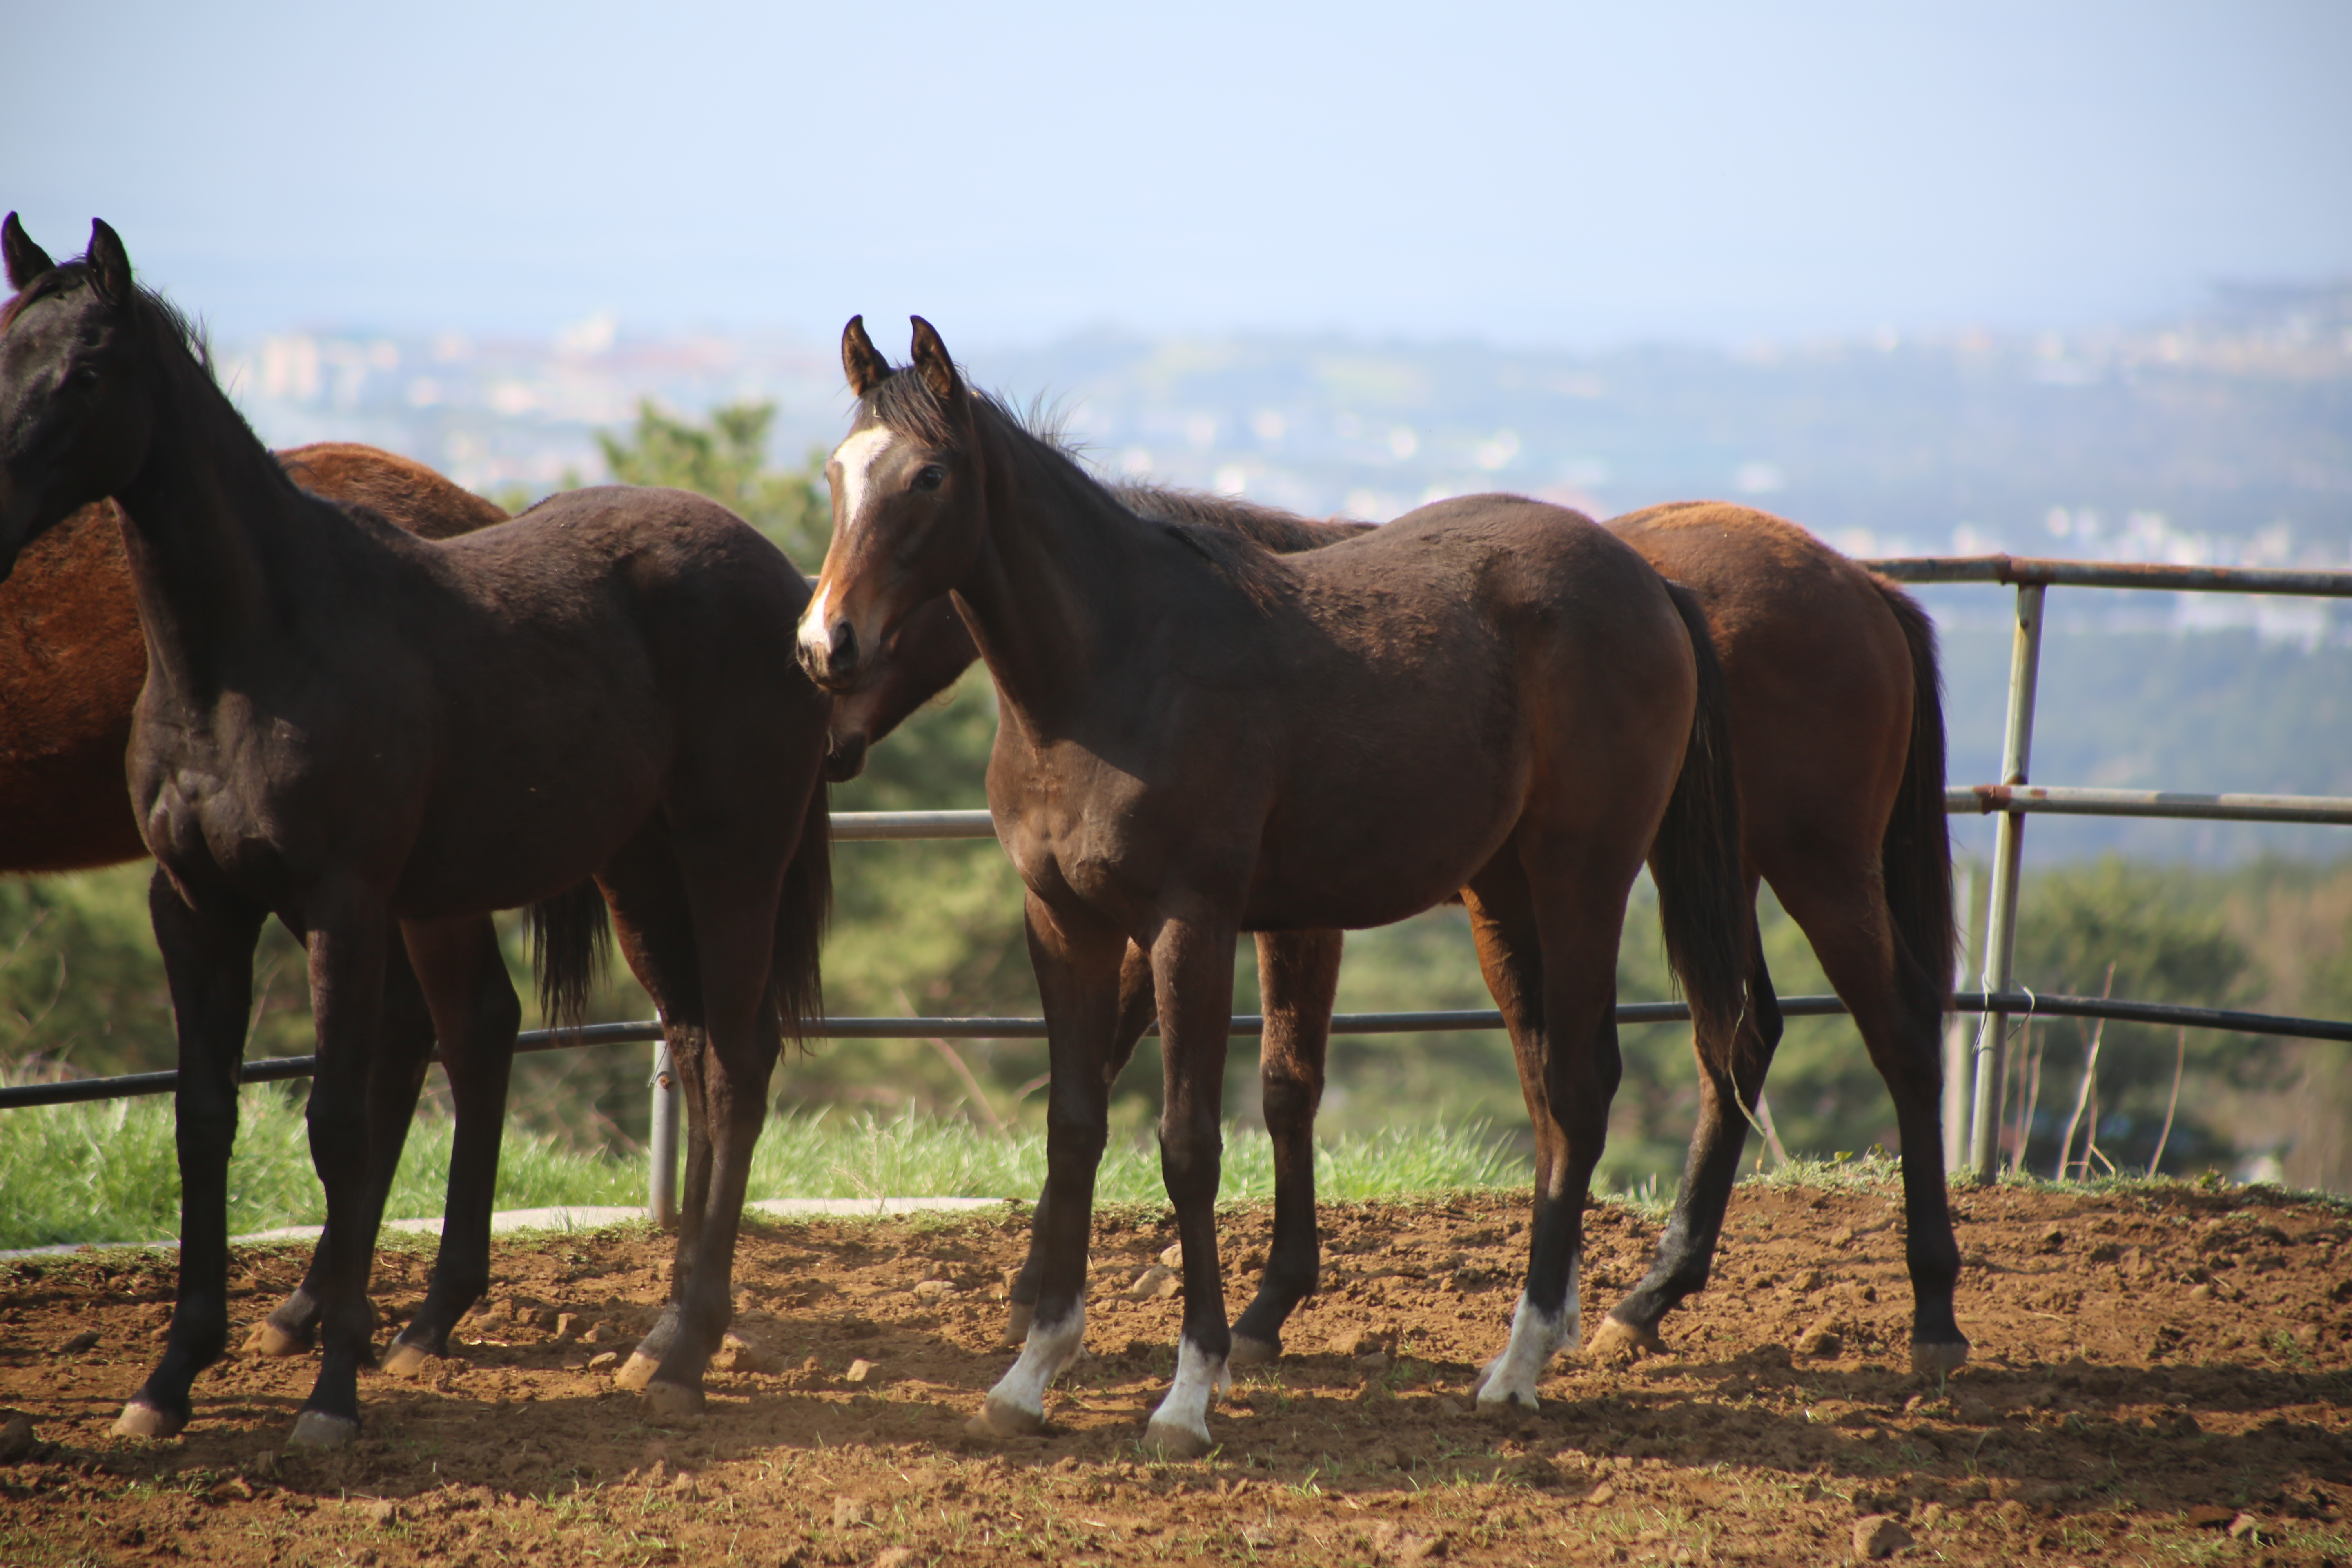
174	330
1238	538
1284	533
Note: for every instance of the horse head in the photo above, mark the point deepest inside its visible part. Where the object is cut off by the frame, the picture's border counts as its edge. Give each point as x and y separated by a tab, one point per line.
908	507
74	425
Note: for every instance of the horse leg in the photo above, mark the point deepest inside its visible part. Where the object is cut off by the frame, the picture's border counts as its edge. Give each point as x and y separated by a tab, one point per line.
395	1079
1136	1009
1192	965
1898	1008
655	927
1686	1248
477	1042
208	962
348	929
732	909
686	1047
1298	976
1077	981
1552	969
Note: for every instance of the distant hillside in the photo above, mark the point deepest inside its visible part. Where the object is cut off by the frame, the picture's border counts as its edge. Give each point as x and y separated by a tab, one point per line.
2200	710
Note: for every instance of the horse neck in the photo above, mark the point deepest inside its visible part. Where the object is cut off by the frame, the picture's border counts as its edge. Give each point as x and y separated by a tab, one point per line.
212	530
1057	585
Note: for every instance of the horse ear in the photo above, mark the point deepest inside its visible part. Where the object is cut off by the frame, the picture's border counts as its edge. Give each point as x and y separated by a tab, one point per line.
931	361
109	263
26	260
859	357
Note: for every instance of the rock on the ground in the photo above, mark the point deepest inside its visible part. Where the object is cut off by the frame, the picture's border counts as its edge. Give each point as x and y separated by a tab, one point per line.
1877	1535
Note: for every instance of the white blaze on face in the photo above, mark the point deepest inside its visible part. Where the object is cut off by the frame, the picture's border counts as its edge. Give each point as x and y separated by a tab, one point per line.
856	457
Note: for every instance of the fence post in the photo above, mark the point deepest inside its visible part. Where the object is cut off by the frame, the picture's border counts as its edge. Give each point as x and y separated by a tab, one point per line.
661	1184
1956	1030
2000	924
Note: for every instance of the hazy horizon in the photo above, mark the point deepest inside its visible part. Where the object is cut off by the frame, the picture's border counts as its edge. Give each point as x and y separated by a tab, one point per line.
1545	177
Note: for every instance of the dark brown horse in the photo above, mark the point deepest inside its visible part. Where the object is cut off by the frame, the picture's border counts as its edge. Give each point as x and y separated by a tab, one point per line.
367	733
1200	737
72	661
1838	739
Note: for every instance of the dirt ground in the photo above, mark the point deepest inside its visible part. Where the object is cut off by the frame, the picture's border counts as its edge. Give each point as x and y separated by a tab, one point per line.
2162	1376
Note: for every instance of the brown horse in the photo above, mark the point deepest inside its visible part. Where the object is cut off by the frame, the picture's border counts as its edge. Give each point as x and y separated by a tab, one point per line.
72	659
367	733
1200	737
1838	743
71	666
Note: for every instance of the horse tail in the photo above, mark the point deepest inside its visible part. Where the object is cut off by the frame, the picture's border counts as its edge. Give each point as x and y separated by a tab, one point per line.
795	986
570	945
1914	856
1695	862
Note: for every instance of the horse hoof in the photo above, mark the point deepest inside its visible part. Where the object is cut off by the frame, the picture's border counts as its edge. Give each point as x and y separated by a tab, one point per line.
267	1339
1937	1359
1172	1441
407	1361
673	1401
636	1372
139	1420
316	1429
999	1419
1615	1343
1016	1325
1247	1351
1512	1401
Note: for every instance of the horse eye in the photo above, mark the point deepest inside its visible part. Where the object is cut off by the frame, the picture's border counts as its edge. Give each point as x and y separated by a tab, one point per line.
930	476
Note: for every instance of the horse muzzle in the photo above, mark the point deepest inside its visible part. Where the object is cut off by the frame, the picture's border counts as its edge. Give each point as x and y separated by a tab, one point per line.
830	654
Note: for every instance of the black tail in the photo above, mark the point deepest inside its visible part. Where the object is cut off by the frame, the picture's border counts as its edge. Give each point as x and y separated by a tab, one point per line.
570	945
1915	857
795	987
1695	862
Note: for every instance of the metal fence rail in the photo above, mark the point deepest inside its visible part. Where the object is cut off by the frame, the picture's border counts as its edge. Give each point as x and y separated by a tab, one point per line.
1246	1025
2012	799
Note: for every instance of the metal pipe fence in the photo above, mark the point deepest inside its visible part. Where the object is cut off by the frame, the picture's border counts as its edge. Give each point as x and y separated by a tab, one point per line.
1999	1001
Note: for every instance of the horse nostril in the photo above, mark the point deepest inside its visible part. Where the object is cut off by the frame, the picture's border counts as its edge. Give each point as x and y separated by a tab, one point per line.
841	658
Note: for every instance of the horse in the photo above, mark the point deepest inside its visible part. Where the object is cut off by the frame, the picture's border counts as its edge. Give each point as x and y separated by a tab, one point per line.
1200	737
372	735
72	661
1838	745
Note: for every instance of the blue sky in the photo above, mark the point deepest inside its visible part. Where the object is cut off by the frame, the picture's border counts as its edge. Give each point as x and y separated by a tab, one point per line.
1539	174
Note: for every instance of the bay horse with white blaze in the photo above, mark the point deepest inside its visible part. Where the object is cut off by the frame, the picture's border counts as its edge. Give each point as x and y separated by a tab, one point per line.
1837	734
370	734
1199	737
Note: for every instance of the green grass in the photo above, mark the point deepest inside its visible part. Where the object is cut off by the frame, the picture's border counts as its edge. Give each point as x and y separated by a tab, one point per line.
108	1172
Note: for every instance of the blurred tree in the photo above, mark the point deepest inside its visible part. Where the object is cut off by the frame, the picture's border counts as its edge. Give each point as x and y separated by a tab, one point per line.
726	458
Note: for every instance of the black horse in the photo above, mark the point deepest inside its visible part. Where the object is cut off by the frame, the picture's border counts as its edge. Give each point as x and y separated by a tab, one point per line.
376	737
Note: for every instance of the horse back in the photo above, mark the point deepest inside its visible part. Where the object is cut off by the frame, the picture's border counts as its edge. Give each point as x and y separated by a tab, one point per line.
1818	665
404	491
